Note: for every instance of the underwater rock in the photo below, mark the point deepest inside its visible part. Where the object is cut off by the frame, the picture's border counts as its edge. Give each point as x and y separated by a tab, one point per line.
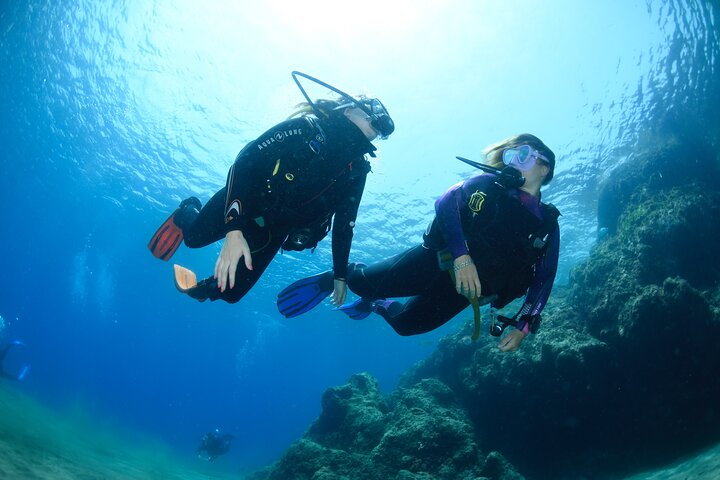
428	431
665	236
666	163
306	460
425	434
352	417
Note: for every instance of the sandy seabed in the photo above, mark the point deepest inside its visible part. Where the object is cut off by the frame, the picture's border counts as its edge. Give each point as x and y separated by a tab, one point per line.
37	443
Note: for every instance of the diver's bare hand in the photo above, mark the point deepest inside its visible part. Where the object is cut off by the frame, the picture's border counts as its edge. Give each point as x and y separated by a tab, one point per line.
467	282
339	293
511	341
234	248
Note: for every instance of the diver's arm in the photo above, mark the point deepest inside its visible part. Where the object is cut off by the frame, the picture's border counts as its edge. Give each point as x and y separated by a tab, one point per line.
449	210
542	283
342	234
456	203
235	246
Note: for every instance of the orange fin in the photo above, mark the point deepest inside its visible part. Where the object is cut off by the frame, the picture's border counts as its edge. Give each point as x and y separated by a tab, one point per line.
185	279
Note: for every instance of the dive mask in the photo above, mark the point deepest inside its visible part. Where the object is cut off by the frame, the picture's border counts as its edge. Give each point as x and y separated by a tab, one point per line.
379	116
523	157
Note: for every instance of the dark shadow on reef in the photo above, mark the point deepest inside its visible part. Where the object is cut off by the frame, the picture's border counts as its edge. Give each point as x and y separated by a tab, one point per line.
622	376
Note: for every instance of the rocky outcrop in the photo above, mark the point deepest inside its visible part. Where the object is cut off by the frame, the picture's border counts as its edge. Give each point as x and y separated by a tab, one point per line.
419	433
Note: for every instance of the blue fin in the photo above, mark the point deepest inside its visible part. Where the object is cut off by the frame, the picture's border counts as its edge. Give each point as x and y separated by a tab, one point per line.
357	310
304	294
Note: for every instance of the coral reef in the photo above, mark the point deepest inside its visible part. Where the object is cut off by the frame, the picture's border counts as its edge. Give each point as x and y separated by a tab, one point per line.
621	376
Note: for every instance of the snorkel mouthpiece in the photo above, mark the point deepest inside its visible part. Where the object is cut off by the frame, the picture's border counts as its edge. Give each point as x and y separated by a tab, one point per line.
383	124
379	116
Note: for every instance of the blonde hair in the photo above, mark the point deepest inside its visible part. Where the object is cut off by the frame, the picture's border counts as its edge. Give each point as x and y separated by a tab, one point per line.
493	153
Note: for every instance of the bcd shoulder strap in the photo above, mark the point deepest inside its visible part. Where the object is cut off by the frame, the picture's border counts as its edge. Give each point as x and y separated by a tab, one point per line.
549	224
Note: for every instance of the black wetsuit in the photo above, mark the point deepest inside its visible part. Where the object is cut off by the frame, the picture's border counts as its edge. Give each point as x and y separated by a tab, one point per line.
213	445
477	217
297	174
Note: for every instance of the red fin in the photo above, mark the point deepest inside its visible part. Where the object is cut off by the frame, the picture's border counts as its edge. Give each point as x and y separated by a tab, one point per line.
167	239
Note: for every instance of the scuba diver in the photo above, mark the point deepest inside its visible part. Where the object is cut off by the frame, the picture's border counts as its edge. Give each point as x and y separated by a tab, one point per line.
17	372
213	445
491	241
286	190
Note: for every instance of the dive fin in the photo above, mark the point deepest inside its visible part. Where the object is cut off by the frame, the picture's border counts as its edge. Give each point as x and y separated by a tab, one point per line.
167	239
186	282
304	294
357	310
185	279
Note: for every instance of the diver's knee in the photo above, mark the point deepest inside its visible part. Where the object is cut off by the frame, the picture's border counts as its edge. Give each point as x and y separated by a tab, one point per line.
232	298
404	330
192	241
356	280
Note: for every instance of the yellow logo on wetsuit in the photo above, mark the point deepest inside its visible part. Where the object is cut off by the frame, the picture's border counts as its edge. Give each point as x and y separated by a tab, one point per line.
476	201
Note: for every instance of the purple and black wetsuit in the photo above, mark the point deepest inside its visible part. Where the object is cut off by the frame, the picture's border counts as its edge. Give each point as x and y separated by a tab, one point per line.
497	227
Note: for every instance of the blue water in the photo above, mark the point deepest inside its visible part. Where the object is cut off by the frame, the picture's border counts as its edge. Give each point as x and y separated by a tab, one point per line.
112	112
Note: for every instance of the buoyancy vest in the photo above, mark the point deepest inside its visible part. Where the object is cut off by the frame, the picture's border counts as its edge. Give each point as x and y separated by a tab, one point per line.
301	187
504	238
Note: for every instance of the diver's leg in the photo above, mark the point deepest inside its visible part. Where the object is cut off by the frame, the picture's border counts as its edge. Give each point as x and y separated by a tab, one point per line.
264	244
414	273
423	313
207	226
403	275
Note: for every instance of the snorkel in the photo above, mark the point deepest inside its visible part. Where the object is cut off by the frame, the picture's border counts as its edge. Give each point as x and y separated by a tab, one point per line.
508	177
375	110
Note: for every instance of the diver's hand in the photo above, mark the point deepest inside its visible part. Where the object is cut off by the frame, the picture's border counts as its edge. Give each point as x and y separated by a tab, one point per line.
234	248
339	293
511	341
467	282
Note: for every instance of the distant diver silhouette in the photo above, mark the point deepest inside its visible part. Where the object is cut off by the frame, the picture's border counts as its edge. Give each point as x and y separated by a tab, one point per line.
213	444
23	368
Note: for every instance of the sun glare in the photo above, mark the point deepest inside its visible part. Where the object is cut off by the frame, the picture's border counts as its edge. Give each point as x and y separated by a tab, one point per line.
351	21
